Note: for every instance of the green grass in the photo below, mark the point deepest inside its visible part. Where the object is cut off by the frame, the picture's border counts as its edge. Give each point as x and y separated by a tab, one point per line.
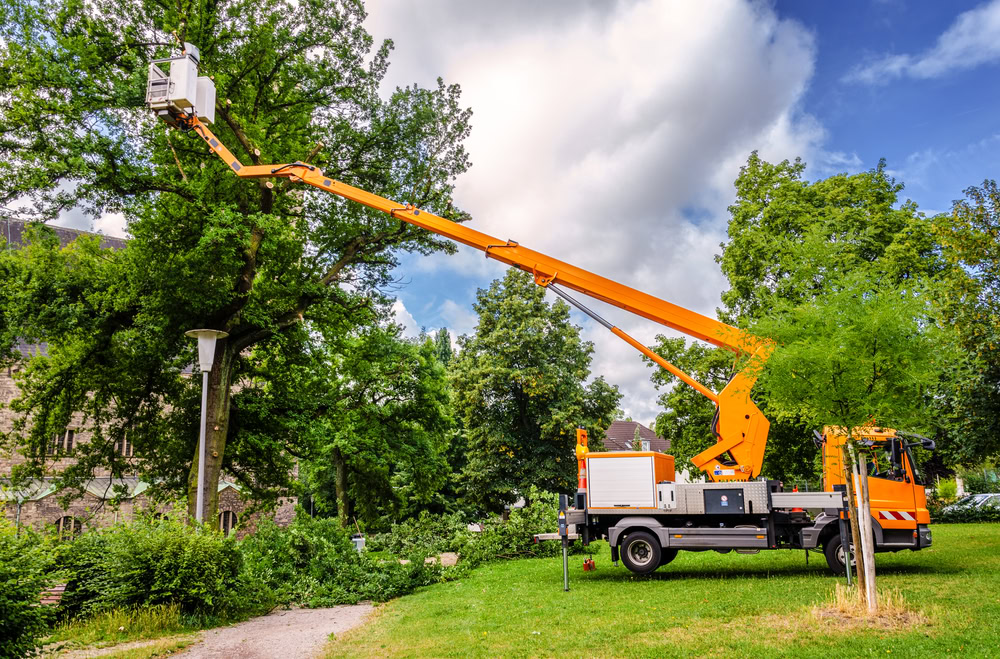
702	604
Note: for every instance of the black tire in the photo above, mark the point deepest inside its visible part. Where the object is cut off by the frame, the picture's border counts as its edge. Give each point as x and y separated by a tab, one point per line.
641	552
835	555
667	555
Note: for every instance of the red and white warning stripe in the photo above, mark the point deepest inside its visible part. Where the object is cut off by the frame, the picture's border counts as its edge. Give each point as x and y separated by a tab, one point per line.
895	515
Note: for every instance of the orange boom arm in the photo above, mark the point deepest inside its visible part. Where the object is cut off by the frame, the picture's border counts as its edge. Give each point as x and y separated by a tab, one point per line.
740	428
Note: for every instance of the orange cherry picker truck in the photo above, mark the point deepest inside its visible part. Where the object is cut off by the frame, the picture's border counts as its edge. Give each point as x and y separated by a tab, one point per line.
631	498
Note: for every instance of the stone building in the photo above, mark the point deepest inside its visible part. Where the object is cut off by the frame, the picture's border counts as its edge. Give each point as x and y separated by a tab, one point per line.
38	504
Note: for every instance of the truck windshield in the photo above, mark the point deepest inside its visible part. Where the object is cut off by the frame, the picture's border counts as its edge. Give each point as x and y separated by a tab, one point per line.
917	476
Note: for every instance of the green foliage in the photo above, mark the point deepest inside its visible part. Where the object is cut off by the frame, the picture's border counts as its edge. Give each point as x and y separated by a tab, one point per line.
151	562
383	429
426	532
861	350
274	267
981	482
969	299
313	562
947	489
791	243
25	561
519	392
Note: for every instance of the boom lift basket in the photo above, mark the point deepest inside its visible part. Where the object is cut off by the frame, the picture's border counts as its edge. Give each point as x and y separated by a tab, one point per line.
181	91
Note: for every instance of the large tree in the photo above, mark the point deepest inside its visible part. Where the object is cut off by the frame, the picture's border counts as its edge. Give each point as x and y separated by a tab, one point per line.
385	427
520	391
970	302
786	238
268	265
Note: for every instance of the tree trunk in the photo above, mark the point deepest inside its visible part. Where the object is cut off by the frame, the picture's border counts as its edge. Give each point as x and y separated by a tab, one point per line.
852	506
217	422
868	544
343	501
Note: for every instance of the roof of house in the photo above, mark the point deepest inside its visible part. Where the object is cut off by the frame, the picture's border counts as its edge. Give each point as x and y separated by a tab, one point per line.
620	434
101	488
12	232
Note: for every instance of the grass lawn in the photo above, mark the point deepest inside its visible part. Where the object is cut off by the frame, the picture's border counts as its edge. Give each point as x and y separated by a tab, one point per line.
701	604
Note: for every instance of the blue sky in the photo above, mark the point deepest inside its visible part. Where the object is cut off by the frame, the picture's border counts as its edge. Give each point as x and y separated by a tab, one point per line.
608	134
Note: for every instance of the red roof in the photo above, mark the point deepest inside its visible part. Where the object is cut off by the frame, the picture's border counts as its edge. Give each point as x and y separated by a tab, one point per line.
620	434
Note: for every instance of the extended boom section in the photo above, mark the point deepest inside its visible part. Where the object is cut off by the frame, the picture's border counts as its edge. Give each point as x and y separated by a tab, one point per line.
740	427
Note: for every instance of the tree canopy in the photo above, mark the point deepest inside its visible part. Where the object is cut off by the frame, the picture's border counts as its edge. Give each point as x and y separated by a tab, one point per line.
520	392
791	242
271	266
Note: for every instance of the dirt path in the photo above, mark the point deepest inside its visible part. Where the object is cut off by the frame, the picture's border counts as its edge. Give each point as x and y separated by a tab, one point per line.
295	634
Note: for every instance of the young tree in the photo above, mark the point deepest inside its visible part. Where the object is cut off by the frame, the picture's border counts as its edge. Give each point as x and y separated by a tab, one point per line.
862	351
519	390
636	439
269	265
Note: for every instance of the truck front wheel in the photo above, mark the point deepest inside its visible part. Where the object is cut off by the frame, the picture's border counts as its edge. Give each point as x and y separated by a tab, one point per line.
835	558
641	552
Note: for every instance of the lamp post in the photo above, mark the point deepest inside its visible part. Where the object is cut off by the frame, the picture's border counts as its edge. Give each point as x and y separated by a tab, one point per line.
206	355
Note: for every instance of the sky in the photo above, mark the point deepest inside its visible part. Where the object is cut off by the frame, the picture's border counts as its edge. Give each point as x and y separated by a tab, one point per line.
609	133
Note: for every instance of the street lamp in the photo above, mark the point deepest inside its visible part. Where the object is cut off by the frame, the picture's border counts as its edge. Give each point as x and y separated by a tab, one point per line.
206	355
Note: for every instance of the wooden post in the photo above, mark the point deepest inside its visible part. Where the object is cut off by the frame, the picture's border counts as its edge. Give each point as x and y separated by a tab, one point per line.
868	543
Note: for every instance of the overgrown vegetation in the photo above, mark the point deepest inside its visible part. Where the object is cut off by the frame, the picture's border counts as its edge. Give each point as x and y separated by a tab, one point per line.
151	577
24	565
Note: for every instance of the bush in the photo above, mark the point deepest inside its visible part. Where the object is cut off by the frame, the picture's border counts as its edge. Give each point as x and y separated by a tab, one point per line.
947	490
148	562
24	563
313	562
981	482
967	514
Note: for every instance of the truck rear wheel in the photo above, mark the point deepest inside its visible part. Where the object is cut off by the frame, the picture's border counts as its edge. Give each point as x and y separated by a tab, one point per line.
834	551
667	555
641	552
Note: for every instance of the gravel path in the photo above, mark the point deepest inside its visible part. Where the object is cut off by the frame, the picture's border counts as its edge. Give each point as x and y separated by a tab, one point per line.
295	634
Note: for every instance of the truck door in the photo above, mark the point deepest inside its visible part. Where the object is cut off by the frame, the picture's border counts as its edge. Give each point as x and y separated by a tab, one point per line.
891	489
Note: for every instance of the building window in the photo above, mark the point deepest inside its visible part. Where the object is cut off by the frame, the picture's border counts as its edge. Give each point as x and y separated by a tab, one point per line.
68	527
123	447
62	444
227	521
645	445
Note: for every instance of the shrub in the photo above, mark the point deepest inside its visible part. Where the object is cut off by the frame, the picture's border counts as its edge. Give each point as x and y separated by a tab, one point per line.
981	482
149	562
989	512
24	562
313	562
947	490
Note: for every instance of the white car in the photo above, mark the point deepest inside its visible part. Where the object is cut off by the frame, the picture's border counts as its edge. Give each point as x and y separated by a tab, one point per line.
974	501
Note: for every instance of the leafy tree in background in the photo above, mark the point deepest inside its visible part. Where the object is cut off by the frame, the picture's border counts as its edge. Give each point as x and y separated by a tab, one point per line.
969	400
519	390
788	240
442	346
385	430
270	266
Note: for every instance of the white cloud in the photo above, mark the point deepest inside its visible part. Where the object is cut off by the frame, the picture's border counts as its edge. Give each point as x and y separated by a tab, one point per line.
403	317
609	134
973	39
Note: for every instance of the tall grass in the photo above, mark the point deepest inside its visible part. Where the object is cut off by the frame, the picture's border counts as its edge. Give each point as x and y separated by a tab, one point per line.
120	625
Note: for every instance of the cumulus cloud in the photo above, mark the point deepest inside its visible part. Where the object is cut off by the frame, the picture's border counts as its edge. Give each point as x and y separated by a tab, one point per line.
609	135
403	317
973	39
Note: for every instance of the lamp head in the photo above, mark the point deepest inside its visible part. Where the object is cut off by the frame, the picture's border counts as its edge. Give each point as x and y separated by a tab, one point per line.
206	345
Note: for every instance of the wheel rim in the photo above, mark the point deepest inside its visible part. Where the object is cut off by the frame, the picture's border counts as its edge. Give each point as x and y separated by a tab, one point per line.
641	553
842	560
